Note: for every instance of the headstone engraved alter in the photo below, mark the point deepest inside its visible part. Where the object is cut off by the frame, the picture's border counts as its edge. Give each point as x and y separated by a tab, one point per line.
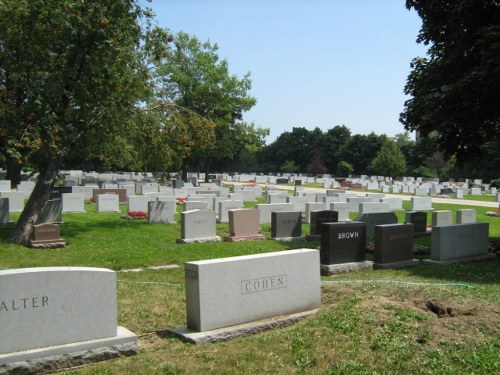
246	290
49	316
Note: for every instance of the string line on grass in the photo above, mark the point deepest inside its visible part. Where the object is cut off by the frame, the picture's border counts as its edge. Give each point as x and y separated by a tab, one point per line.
150	283
460	285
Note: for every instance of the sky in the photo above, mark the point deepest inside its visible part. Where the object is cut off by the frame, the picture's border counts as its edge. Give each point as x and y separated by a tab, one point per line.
312	63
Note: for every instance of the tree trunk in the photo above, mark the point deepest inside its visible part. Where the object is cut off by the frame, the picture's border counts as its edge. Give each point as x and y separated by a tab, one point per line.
184	172
39	196
13	171
207	169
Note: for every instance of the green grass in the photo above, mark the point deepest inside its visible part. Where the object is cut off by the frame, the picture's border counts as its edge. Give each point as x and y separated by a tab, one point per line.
370	322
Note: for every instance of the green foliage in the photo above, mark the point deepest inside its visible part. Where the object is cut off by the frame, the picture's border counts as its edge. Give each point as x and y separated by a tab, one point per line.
390	161
495	183
360	150
289	167
344	168
456	91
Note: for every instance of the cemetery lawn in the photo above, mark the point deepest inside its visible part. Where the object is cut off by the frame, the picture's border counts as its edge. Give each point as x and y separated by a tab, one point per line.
425	319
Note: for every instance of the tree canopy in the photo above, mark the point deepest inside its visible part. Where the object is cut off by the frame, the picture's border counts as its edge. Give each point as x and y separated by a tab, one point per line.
456	90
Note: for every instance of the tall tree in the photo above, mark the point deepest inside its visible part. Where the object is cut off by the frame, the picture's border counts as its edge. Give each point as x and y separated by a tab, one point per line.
195	78
456	91
69	77
390	161
333	140
360	150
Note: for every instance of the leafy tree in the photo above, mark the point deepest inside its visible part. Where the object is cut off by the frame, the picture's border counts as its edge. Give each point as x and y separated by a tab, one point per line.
69	78
194	78
390	160
360	150
456	91
331	144
316	165
344	168
289	167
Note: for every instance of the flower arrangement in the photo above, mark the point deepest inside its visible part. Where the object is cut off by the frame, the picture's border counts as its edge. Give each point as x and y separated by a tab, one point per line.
493	213
137	215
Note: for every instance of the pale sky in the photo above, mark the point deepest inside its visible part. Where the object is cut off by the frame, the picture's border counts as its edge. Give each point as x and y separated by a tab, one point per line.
313	63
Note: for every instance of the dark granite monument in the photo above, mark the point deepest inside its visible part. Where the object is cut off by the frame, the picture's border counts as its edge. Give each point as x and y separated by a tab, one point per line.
419	221
286	225
317	219
394	246
376	218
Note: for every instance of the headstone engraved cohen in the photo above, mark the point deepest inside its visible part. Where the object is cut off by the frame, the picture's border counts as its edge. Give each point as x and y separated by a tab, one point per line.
198	226
318	218
242	292
286	225
394	246
244	225
343	248
50	316
46	236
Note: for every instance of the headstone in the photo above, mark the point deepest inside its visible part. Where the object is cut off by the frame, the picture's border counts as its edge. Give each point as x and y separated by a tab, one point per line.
312	207
121	193
277	198
244	225
51	212
198	226
73	202
317	219
475	191
343	248
225	206
459	194
342	209
466	216
108	203
5	185
265	210
419	221
46	236
56	192
138	203
441	218
372	207
378	218
421	203
235	292
353	203
56	317
395	204
4	211
286	226
460	243
394	246
194	205
161	212
16	200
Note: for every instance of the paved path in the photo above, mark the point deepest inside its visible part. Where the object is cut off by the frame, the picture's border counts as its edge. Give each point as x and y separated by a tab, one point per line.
463	202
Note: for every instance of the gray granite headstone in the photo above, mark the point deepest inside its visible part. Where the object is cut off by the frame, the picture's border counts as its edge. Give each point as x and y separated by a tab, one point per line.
440	218
198	226
418	219
51	212
466	216
376	218
286	224
161	212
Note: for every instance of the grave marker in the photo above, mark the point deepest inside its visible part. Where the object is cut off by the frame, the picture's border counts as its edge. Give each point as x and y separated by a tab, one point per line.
286	226
198	226
394	246
244	225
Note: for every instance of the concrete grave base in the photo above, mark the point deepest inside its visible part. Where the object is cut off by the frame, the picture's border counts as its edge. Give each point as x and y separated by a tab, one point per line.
47	244
256	237
313	237
199	240
396	265
333	269
240	330
288	239
75	354
478	258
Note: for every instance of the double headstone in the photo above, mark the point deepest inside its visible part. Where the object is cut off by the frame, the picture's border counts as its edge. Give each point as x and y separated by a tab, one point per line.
244	225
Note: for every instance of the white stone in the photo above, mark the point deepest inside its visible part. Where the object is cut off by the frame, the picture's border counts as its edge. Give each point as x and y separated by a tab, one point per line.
198	226
475	191
420	203
342	208
230	291
395	204
73	202
108	203
16	200
466	216
369	207
5	185
442	218
312	207
225	206
266	209
85	190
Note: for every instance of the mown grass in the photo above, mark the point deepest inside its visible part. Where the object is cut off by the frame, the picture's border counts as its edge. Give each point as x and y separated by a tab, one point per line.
370	322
